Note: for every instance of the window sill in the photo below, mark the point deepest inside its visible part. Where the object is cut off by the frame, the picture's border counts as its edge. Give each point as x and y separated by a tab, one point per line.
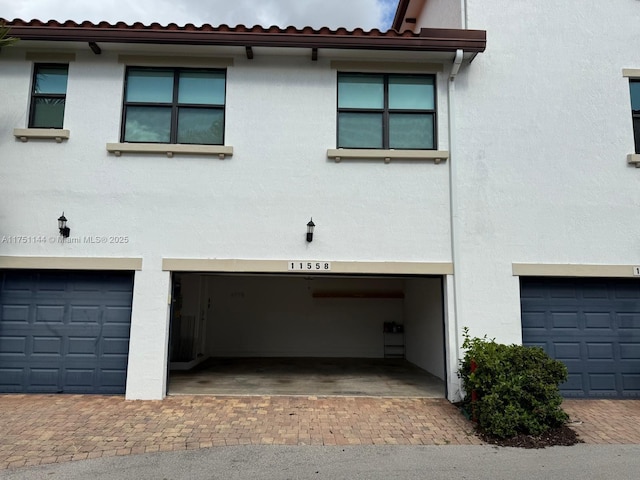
170	149
57	134
339	154
634	159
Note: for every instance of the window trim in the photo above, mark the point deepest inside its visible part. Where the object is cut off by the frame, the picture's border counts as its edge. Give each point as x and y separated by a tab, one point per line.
340	154
57	134
386	111
34	95
635	115
175	105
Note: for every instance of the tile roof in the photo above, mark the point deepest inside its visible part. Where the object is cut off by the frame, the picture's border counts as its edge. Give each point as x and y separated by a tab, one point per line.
437	40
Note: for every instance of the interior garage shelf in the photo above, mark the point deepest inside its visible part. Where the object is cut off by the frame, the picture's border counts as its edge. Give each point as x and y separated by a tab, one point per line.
357	294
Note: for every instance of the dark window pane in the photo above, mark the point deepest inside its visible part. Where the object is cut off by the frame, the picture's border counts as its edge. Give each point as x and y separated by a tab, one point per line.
359	130
411	92
47	113
636	131
408	130
51	79
361	91
200	125
150	86
148	124
205	88
634	86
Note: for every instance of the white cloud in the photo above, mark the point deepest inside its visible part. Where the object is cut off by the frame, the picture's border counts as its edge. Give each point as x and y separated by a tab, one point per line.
367	14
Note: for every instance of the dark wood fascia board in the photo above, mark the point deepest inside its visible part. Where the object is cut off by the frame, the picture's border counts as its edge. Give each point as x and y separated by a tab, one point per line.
401	12
435	40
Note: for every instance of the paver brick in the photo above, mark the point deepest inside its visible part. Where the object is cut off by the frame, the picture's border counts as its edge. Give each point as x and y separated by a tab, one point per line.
42	429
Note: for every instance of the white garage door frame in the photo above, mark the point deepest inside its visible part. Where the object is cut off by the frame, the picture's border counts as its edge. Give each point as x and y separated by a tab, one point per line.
339	268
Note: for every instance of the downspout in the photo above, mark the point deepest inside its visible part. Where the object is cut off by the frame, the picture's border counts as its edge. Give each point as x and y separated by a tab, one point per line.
453	204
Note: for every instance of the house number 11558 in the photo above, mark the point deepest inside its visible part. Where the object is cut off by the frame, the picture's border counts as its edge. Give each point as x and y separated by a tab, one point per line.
310	266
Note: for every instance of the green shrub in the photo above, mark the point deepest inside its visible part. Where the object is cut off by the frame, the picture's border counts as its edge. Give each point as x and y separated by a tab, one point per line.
516	387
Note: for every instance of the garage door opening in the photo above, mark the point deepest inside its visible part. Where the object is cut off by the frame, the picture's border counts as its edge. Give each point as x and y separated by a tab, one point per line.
265	334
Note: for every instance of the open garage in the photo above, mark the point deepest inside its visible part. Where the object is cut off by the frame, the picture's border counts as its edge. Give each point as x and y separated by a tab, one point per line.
307	334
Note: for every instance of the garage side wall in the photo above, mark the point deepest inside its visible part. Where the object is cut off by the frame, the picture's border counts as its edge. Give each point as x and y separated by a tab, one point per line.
424	324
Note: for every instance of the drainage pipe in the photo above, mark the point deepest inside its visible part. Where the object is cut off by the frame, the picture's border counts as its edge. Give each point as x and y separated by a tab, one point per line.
453	218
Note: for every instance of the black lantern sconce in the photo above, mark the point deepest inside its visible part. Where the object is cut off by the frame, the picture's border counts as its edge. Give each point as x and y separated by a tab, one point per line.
310	227
62	226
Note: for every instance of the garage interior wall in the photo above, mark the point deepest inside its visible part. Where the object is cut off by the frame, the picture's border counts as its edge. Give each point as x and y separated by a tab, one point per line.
424	324
315	316
279	316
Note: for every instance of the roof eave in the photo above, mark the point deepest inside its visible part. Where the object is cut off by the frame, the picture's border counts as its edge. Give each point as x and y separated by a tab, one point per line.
436	40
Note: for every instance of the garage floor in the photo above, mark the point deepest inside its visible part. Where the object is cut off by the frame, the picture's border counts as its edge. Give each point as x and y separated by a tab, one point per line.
307	376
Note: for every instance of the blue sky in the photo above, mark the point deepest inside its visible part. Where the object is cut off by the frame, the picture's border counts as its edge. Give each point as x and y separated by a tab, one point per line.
367	14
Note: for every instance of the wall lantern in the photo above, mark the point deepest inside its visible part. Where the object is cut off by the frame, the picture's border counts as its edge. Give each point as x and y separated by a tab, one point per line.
310	227
62	225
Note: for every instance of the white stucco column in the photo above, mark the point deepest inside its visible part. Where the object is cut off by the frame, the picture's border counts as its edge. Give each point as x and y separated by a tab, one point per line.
149	342
452	341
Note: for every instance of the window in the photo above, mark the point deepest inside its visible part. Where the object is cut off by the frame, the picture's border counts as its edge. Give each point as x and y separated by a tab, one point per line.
48	96
634	85
386	111
166	105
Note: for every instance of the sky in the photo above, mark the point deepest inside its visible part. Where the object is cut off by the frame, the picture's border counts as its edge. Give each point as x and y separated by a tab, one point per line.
367	14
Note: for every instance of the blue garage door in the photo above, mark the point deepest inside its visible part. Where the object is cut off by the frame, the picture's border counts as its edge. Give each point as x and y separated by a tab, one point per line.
593	326
64	331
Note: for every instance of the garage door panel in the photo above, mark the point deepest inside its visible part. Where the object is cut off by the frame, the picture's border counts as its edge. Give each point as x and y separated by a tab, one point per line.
631	382
79	377
112	378
594	331
630	321
13	345
562	290
564	320
115	346
11	379
17	314
118	314
84	347
600	350
598	320
44	377
595	290
17	285
51	282
627	291
630	351
567	350
62	349
46	346
50	313
86	314
603	383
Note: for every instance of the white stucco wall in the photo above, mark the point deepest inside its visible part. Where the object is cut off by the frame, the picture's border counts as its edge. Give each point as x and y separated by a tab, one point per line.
543	127
280	120
441	14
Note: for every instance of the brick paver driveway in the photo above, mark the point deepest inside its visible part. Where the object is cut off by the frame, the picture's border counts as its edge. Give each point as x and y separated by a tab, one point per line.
40	429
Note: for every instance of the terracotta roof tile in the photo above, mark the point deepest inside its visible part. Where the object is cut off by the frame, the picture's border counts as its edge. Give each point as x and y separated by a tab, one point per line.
291	36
